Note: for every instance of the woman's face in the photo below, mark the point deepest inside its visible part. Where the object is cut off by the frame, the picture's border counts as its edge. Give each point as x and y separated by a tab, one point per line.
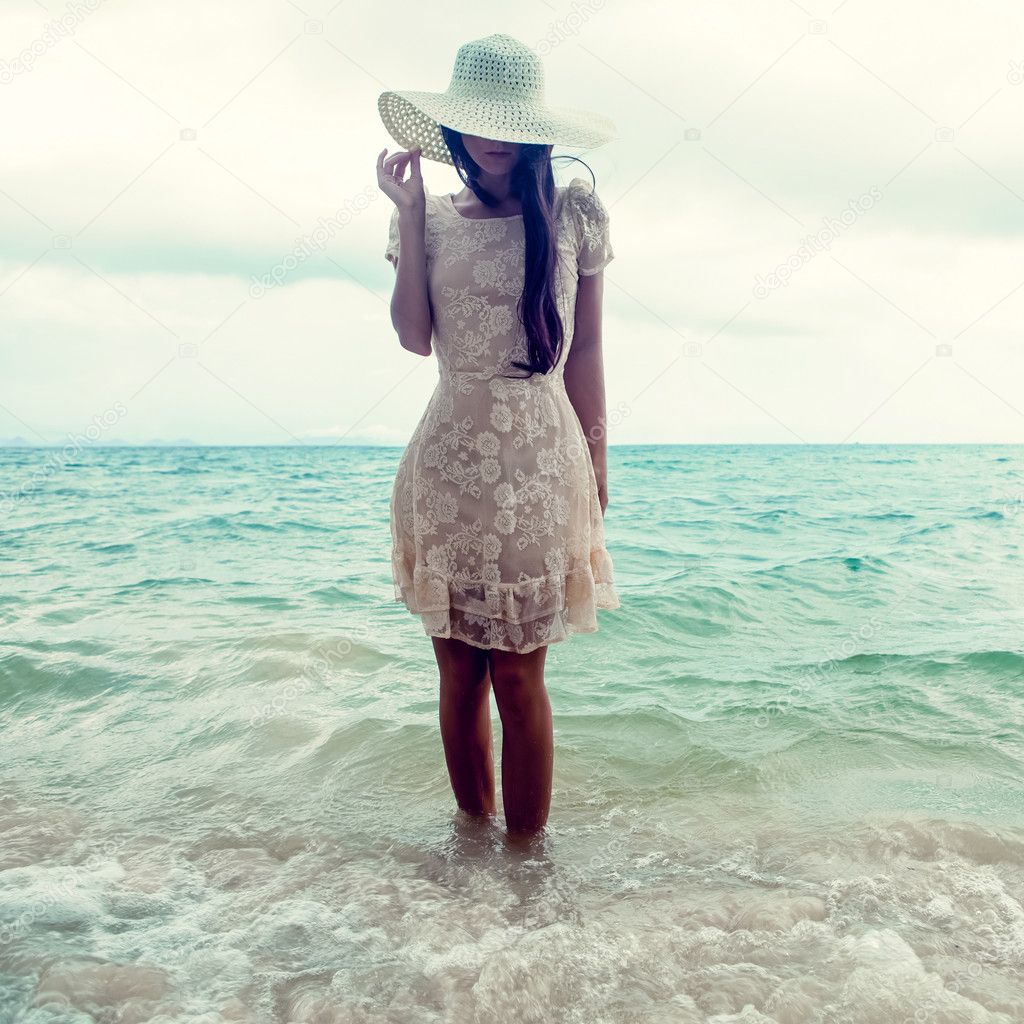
491	155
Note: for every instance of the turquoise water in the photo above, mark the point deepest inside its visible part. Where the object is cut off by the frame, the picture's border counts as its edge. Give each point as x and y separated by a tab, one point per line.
788	770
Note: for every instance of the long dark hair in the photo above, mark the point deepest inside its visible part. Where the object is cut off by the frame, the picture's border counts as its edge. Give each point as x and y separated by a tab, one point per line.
533	184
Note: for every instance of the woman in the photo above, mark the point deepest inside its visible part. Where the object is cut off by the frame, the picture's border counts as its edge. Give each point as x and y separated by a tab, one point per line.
498	503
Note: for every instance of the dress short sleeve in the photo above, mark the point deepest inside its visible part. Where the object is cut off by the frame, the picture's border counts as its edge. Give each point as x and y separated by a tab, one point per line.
592	227
391	252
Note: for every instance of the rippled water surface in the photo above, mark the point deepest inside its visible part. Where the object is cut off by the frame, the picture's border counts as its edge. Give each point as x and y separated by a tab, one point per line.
788	770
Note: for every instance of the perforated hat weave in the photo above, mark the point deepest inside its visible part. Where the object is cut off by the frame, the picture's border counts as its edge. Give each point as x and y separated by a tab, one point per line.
496	92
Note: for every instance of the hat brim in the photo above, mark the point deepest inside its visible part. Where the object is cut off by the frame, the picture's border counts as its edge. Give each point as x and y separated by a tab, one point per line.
413	118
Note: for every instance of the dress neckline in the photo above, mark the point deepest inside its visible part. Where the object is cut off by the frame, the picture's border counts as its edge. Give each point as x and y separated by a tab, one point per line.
450	203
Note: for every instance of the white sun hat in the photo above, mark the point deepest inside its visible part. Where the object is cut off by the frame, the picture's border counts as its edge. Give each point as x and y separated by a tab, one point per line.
496	92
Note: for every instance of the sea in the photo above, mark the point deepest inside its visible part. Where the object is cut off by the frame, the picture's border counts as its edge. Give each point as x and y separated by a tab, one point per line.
789	769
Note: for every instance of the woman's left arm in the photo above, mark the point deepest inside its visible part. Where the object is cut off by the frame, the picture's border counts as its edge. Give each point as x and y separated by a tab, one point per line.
584	376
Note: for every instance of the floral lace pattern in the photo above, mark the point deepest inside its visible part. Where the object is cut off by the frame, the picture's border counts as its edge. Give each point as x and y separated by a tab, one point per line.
496	524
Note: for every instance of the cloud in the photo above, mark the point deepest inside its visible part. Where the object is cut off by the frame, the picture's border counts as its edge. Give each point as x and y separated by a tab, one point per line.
167	160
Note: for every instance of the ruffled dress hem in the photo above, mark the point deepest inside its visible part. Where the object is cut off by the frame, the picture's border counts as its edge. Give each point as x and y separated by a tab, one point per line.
517	617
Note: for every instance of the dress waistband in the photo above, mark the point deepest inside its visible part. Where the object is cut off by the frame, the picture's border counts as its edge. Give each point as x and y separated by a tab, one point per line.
535	379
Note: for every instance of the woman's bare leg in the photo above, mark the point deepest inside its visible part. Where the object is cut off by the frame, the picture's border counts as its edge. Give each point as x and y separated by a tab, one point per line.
465	712
527	746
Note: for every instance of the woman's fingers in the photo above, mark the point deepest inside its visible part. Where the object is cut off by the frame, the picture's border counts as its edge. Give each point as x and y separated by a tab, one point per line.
402	155
386	168
391	171
402	162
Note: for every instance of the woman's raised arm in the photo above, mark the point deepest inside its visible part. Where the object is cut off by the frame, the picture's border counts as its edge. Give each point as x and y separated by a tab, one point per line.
410	301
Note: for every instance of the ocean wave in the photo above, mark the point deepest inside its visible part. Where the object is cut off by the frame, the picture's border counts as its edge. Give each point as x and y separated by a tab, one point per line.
161	582
875	564
1002	664
746	919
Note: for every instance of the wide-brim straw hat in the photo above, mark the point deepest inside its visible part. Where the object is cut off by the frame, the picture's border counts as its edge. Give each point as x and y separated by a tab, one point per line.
496	92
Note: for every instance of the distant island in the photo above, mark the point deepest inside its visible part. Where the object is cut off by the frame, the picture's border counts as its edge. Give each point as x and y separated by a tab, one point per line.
187	442
156	442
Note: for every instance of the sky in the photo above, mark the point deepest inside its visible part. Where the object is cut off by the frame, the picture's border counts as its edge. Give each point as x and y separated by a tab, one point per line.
817	212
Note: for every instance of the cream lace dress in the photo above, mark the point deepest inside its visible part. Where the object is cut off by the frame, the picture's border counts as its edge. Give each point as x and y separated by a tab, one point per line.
496	525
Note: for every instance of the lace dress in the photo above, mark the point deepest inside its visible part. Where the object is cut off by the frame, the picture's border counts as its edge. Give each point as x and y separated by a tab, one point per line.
496	525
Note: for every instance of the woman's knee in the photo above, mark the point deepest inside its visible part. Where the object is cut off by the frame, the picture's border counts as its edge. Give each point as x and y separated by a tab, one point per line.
463	668
518	683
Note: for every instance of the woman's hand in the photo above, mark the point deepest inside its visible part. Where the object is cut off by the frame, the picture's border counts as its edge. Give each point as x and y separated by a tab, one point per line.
405	193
